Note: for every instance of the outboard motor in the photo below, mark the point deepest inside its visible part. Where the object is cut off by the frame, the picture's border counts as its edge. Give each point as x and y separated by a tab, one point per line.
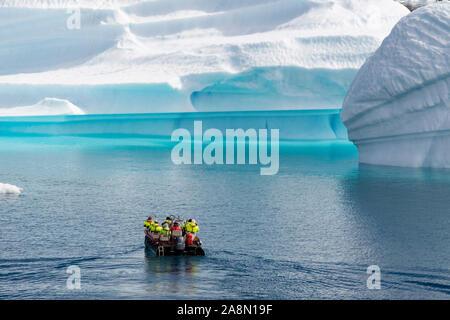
179	244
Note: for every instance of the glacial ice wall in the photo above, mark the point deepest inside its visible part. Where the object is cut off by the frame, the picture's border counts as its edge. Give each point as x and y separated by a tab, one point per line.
292	124
183	56
397	110
283	87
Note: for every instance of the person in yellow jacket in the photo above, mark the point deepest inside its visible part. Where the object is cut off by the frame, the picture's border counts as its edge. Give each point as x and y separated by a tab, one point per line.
165	231
156	227
191	226
167	222
148	223
184	226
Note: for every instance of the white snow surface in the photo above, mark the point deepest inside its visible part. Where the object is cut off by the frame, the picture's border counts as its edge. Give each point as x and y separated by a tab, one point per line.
188	45
6	188
47	106
397	109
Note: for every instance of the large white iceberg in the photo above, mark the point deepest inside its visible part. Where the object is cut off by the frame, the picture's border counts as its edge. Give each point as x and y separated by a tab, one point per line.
130	56
397	110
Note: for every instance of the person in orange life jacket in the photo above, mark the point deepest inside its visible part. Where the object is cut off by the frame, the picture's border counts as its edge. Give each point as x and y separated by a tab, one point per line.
176	226
189	238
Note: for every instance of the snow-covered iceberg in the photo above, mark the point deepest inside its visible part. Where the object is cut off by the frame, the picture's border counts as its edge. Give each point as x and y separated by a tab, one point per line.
129	56
397	110
47	106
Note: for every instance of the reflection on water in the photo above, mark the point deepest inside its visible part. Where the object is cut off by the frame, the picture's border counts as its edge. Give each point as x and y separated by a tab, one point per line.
170	274
405	212
180	265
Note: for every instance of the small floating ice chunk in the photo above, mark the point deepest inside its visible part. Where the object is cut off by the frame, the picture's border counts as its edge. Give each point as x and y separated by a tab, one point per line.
45	107
9	189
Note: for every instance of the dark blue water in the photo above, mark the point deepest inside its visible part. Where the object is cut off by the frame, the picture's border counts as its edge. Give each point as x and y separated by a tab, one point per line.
310	231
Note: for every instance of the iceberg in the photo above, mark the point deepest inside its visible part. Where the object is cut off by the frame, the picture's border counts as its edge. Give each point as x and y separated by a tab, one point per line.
130	56
283	87
6	188
397	110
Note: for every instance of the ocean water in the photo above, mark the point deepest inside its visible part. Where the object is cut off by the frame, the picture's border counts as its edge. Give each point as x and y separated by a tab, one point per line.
309	232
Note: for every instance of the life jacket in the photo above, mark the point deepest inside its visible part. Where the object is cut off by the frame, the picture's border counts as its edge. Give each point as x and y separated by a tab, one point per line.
158	228
189	239
192	227
175	228
148	223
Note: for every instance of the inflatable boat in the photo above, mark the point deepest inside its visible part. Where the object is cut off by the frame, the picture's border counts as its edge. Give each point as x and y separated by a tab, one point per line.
175	245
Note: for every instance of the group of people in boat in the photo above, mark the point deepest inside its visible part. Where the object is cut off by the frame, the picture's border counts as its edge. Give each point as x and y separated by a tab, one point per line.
171	227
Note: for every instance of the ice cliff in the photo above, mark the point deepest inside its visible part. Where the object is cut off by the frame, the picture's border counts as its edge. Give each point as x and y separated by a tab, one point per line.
129	56
397	110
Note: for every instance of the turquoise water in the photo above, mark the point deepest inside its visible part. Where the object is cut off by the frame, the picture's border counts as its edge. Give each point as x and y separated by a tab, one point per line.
294	125
309	231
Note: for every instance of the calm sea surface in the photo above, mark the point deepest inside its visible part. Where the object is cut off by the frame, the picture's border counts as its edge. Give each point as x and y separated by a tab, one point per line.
310	231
